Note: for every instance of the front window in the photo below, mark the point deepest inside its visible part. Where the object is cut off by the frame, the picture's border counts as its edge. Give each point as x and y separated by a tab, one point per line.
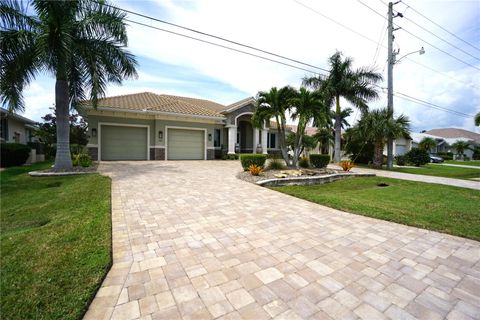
271	141
216	138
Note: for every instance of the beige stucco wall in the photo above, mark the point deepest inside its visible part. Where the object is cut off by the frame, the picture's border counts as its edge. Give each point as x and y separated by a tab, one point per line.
16	126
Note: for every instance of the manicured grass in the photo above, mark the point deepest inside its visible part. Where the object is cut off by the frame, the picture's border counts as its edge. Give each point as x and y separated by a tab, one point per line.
55	243
475	163
442	171
436	207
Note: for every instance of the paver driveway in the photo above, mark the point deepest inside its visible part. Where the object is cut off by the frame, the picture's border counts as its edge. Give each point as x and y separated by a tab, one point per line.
191	241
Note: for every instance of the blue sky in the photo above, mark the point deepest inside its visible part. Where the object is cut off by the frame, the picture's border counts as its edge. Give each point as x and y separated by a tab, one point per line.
173	65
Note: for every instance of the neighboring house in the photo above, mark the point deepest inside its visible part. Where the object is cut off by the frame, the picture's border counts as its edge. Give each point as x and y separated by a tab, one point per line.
17	129
149	126
452	135
14	128
400	146
418	137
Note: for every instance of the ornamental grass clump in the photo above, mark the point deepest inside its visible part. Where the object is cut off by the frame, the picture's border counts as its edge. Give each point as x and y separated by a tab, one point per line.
276	164
255	170
346	165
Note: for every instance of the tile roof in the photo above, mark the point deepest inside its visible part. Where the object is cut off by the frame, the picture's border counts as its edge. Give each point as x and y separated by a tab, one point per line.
163	103
454	133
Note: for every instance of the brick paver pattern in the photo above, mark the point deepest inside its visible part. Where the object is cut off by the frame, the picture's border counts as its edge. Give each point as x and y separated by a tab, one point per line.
191	241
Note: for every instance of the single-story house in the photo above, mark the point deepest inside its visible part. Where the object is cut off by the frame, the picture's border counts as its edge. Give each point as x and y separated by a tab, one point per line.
418	137
149	126
15	128
452	135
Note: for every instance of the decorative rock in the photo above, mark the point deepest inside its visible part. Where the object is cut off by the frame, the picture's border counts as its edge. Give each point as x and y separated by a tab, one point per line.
280	175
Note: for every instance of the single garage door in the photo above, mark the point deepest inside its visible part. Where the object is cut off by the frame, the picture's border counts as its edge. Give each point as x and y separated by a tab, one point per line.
185	144
400	149
123	143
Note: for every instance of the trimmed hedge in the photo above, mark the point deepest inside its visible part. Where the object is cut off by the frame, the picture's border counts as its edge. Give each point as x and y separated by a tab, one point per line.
248	159
417	157
320	160
14	154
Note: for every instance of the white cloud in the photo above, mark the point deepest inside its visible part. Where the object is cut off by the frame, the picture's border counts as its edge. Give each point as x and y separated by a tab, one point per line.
284	27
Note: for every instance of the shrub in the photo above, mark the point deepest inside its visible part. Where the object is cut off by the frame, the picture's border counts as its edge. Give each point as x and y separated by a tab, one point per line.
248	159
346	165
276	164
320	160
303	162
401	160
255	170
14	154
82	159
417	157
445	155
476	153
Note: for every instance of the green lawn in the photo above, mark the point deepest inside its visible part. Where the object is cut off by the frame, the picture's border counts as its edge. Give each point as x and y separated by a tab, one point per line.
436	207
442	171
475	163
55	243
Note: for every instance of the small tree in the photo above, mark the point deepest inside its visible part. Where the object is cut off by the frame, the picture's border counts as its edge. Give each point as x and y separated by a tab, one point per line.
460	147
427	144
477	119
46	132
274	104
308	106
379	125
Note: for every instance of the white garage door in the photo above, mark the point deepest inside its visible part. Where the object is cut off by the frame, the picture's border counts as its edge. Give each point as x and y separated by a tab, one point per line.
400	149
185	144
123	143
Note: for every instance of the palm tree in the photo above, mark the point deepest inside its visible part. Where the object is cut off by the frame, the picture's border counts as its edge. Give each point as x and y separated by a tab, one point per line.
378	126
325	137
355	86
427	144
477	119
274	104
79	42
309	106
460	146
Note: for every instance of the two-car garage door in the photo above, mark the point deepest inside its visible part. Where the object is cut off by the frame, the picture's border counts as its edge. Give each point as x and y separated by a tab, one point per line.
131	143
185	144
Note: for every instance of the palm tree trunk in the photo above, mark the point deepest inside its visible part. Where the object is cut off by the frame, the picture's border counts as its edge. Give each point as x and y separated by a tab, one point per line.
338	131
378	154
63	160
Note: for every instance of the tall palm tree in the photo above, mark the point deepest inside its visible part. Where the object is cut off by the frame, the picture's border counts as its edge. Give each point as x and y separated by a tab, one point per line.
79	42
355	86
378	126
274	104
427	144
309	106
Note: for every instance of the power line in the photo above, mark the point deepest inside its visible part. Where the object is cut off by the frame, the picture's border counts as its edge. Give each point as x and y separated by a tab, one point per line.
433	34
418	63
438	25
216	37
415	36
221	46
430	105
275	61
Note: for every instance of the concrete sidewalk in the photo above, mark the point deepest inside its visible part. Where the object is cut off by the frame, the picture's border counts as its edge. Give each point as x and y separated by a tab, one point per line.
470	184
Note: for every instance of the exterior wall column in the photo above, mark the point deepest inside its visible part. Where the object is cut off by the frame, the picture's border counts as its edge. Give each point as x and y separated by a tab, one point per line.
232	139
264	140
256	134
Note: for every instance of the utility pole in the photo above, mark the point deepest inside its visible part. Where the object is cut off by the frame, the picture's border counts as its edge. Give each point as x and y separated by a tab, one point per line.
391	62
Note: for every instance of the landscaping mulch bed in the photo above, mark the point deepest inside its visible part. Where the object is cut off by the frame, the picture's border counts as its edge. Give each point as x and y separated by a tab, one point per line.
270	174
76	170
